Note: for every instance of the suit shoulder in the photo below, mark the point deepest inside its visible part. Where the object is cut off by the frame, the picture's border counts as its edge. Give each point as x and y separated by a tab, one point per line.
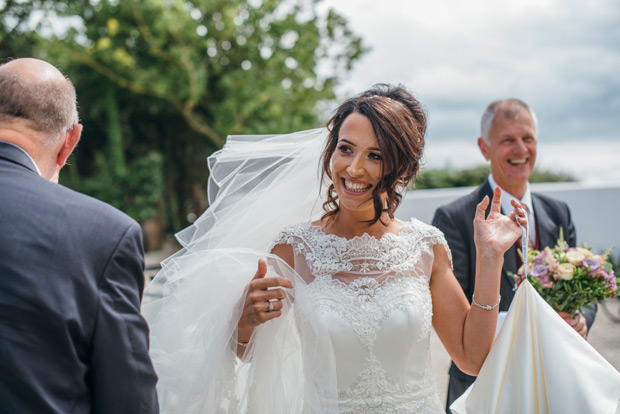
92	206
459	207
85	215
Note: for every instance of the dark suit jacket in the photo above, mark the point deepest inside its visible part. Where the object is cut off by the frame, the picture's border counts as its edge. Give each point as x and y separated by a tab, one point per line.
455	220
72	339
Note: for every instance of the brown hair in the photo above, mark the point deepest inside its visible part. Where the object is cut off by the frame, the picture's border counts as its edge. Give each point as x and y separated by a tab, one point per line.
399	123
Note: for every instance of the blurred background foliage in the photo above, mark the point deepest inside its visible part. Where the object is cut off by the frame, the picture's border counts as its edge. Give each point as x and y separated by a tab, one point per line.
446	178
161	83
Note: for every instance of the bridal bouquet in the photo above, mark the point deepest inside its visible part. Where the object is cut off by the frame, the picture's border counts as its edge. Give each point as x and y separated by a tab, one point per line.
568	278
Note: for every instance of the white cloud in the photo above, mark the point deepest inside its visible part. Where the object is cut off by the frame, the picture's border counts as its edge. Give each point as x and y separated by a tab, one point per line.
560	56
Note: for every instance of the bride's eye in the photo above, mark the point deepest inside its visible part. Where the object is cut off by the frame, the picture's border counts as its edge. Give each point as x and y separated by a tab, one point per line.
344	149
375	156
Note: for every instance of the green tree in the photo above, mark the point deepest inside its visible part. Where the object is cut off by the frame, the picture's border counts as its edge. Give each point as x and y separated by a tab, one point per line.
178	76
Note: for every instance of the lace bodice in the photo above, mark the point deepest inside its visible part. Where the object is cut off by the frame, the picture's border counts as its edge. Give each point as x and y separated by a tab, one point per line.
373	297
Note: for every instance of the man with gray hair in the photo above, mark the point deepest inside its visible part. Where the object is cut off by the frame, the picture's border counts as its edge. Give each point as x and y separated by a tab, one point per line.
509	138
71	268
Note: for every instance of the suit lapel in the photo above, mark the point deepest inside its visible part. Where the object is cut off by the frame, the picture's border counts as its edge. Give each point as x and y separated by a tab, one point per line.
548	229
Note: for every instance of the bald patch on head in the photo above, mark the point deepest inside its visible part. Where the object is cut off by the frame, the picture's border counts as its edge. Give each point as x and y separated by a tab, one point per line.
33	69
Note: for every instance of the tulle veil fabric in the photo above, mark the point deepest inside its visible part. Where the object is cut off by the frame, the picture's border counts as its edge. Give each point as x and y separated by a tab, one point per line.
258	185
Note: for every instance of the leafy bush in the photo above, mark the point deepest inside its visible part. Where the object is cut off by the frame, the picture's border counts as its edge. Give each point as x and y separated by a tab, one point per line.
446	178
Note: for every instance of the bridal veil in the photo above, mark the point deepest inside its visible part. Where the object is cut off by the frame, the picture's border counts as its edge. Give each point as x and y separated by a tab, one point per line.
258	185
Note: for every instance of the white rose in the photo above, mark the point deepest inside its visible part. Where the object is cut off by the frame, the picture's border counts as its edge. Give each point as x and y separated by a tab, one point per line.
565	271
574	257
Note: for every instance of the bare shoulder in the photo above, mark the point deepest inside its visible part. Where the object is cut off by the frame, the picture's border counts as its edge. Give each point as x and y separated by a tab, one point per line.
284	252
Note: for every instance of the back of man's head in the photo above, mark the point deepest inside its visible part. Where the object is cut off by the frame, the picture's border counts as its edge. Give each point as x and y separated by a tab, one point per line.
35	92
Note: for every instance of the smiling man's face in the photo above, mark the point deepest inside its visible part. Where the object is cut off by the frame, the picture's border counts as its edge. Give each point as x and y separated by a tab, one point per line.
512	149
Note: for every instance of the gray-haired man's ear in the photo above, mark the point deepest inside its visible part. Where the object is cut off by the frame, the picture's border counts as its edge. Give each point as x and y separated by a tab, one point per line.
484	148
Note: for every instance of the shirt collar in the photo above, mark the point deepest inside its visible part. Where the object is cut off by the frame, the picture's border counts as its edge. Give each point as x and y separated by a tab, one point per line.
507	197
36	167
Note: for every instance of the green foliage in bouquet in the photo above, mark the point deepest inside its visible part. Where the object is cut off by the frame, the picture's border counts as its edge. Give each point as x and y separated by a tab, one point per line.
569	278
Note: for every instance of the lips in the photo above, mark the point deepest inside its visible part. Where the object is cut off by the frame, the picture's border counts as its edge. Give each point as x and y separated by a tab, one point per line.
356	187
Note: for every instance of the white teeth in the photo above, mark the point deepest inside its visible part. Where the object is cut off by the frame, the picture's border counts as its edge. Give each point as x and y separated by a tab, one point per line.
517	162
355	187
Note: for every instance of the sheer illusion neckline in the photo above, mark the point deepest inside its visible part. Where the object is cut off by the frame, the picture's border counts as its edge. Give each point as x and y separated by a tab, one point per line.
406	228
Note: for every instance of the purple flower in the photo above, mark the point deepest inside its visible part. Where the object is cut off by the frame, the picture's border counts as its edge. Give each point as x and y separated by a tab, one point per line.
540	258
593	265
539	271
546	281
610	278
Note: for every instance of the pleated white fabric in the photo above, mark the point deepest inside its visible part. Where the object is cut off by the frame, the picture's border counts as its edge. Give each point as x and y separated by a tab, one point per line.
539	364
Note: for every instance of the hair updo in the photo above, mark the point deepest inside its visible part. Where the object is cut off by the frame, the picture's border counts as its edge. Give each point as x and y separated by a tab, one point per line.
399	123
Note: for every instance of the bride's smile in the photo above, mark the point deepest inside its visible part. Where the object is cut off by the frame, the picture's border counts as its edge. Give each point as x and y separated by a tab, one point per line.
355	186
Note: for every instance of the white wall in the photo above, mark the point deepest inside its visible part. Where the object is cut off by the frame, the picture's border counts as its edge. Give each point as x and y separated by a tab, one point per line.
595	209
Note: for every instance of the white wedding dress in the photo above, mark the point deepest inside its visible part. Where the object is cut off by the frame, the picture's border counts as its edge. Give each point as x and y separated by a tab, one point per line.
354	332
373	298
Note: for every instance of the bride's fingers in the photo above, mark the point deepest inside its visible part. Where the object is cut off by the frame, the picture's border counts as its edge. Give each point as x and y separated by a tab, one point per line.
270	282
261	270
267	316
259	296
496	203
481	209
515	204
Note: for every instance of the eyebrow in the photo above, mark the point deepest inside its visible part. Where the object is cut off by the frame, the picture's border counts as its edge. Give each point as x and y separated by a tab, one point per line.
350	143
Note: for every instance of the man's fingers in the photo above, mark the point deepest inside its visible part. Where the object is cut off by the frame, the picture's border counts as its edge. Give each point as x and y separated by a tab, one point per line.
482	207
261	271
496	203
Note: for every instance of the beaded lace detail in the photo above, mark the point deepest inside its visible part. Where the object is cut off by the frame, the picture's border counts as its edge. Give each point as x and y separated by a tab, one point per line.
364	281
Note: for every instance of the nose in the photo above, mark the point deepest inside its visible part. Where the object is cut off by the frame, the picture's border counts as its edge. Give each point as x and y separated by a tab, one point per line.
356	167
520	146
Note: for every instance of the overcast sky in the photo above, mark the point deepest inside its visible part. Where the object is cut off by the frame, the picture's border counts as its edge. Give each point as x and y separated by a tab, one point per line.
560	56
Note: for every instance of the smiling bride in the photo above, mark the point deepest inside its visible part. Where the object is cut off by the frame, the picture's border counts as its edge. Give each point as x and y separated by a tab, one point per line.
337	315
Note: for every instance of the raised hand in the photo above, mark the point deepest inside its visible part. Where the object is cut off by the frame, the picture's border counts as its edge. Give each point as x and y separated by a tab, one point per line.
495	234
263	301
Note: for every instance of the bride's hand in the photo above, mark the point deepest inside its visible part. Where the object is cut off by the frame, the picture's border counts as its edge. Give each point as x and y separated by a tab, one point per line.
262	292
494	235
